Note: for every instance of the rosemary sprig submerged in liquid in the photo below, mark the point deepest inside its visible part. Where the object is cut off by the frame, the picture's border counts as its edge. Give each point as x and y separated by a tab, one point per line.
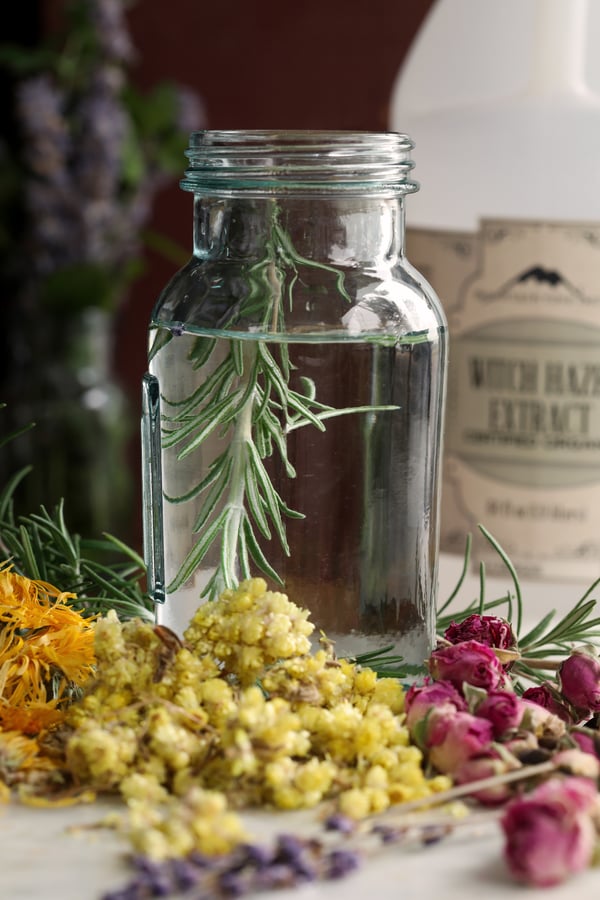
248	400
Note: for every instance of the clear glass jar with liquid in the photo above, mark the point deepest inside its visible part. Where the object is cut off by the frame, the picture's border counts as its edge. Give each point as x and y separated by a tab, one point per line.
293	407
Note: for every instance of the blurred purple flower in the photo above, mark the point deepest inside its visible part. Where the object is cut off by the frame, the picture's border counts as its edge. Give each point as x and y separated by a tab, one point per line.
41	115
191	112
108	18
95	156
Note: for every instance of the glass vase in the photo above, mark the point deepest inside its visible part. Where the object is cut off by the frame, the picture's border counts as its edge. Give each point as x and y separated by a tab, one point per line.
294	402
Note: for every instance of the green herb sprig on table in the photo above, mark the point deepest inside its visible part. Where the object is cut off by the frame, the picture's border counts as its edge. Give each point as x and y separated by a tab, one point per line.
104	572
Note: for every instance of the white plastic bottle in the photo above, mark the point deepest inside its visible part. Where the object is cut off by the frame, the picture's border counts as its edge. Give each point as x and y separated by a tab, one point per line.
503	101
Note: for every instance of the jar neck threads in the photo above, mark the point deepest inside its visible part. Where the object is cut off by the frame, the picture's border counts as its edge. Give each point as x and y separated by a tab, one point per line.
276	162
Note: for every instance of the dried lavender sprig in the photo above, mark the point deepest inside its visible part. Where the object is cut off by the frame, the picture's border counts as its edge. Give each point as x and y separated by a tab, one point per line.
293	860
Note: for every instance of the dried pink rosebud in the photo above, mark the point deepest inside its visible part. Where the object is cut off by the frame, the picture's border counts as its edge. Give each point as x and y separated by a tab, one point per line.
589	742
579	678
503	709
420	699
489	630
522	743
487	764
542	722
454	738
577	762
469	662
546	695
549	832
573	793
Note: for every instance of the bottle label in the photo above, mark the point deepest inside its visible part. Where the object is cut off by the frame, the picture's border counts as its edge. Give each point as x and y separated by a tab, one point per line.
522	442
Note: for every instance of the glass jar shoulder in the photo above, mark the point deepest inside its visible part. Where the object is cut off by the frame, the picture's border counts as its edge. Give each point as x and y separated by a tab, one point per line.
347	301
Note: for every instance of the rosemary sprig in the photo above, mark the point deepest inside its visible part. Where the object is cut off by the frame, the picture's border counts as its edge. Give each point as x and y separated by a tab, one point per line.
104	573
248	398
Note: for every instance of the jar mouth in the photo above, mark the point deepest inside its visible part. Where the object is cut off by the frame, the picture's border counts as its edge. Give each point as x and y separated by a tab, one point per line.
261	161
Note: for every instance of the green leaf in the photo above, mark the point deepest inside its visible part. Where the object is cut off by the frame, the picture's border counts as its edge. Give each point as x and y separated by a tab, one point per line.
270	496
79	286
256	553
215	469
505	559
532	636
202	351
214	496
203	423
198	552
255	503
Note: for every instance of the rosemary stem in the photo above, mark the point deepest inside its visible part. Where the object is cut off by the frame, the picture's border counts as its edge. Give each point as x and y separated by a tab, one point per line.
235	504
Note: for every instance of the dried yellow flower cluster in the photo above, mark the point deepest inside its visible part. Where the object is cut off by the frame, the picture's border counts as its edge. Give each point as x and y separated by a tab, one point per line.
241	714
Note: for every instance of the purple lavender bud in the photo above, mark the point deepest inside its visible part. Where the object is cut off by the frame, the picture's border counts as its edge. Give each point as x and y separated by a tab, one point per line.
191	114
387	833
108	18
433	834
341	863
145	864
133	891
184	874
153	879
277	875
40	110
231	884
200	860
293	850
257	855
289	847
339	822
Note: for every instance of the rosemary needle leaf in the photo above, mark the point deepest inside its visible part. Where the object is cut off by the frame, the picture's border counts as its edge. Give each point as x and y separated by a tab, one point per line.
532	636
256	553
256	505
198	552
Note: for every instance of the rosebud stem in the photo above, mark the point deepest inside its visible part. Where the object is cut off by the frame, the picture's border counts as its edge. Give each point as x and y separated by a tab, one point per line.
552	664
471	787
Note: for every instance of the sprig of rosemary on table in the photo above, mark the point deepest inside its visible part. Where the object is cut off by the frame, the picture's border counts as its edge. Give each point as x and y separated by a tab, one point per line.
104	572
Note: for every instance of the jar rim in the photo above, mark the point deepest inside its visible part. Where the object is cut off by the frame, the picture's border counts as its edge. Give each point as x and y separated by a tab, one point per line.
270	161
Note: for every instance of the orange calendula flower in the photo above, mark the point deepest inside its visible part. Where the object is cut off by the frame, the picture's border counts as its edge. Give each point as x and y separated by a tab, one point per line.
46	648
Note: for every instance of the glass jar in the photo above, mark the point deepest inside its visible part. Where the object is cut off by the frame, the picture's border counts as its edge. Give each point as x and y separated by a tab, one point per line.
294	401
